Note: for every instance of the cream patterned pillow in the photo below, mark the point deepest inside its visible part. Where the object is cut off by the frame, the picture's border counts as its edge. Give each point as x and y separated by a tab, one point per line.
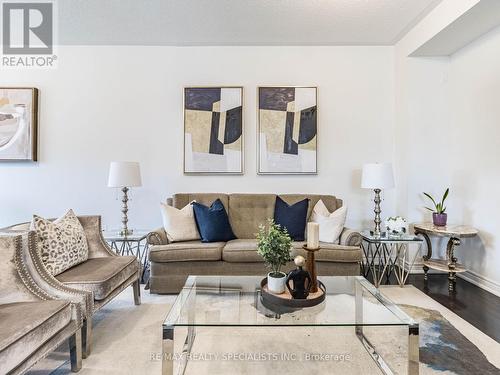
62	243
180	225
332	224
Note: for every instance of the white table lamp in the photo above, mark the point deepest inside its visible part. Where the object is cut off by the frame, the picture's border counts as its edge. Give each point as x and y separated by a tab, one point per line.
124	175
377	176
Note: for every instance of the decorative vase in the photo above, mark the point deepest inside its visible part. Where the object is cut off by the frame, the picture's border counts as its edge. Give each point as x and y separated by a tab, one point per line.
439	219
396	226
276	285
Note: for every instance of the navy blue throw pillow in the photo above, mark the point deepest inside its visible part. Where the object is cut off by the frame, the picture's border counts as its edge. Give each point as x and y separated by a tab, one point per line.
293	218
213	223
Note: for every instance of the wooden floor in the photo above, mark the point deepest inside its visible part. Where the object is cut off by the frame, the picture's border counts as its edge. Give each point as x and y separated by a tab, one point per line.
473	304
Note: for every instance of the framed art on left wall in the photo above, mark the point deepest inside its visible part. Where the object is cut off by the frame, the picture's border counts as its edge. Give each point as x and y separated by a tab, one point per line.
213	130
18	124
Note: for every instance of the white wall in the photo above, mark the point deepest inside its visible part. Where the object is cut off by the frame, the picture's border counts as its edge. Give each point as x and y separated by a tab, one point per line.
473	157
447	121
125	103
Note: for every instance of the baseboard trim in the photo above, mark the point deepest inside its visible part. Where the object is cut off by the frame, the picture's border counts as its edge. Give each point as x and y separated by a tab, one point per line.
481	281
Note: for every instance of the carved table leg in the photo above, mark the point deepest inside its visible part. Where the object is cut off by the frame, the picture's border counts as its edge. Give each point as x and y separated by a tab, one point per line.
452	262
428	242
426	269
452	280
450	256
429	252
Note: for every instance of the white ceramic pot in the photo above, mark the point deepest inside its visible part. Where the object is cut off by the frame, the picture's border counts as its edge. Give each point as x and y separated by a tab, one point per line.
276	285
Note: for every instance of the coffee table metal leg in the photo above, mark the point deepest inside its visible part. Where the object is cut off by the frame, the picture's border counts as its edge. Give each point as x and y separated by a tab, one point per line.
358	305
167	355
413	350
359	308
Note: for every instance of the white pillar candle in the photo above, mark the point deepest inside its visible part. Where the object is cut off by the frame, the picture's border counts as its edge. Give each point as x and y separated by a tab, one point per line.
312	235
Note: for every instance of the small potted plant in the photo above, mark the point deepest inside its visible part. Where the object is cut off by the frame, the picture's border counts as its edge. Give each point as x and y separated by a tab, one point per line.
439	216
274	246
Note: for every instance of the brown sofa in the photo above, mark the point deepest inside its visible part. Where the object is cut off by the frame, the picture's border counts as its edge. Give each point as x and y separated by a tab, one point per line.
171	263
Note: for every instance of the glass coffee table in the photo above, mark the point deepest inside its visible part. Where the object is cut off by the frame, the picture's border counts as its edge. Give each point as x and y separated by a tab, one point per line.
354	318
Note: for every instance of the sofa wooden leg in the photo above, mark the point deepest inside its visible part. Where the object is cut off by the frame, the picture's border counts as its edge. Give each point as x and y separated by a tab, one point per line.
75	351
87	337
137	291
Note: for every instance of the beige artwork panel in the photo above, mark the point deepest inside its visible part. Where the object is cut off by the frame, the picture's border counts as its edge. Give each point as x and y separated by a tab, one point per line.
272	124
199	124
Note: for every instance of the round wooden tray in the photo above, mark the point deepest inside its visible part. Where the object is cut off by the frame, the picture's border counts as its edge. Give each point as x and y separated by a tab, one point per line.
286	300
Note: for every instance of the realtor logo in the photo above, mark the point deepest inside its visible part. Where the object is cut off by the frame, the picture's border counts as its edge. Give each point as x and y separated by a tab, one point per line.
27	28
28	34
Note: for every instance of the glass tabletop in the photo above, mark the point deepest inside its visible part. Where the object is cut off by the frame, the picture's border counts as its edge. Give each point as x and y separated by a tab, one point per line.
367	236
114	235
236	301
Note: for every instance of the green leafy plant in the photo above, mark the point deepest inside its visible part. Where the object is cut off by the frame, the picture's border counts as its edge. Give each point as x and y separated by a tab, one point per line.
274	244
439	208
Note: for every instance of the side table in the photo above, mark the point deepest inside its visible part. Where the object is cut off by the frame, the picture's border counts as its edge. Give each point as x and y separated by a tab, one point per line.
131	244
385	255
450	265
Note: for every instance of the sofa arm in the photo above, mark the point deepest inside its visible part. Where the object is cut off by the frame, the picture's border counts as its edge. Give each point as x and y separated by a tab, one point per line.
350	237
157	237
49	284
20	275
98	247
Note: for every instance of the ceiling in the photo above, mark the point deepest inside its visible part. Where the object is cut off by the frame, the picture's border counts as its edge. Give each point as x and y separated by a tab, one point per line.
238	22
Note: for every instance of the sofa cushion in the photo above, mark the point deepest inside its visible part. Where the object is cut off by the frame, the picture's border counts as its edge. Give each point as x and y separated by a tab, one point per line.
213	222
248	211
100	276
330	201
25	326
293	217
340	253
179	224
62	243
183	199
241	251
331	224
245	251
186	251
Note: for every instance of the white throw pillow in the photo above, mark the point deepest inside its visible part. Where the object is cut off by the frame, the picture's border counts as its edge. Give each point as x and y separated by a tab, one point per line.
180	225
332	224
62	243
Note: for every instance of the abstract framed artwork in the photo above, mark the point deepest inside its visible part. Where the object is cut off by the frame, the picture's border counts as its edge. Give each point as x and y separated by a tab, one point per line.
18	124
213	130
287	134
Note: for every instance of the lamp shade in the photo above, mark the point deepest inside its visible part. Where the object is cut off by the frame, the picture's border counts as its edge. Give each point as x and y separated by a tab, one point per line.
124	174
377	176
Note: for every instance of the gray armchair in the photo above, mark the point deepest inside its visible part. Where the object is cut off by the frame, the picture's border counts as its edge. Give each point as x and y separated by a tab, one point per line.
92	283
33	322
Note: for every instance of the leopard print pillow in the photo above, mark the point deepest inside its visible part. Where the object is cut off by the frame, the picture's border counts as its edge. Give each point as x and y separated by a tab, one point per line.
62	243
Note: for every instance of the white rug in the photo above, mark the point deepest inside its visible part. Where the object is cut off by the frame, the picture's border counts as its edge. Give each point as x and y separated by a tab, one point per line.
127	340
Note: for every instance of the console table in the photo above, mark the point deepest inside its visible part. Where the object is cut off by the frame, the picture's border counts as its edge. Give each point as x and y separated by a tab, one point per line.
455	233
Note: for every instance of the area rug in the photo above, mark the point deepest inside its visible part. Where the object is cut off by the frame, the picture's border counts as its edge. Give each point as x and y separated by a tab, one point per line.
127	340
